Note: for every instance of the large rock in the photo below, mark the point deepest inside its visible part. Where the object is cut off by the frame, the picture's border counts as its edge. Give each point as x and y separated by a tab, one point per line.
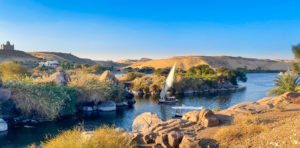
204	117
191	116
108	76
207	118
144	121
150	137
3	125
107	106
60	77
5	94
162	141
189	142
174	138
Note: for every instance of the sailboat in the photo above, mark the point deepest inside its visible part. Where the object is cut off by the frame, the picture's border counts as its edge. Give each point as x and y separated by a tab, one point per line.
168	84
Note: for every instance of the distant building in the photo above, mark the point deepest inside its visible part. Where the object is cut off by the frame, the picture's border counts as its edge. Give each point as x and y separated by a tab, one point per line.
49	64
7	46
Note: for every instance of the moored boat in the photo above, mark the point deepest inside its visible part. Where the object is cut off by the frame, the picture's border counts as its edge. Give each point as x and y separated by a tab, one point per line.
167	85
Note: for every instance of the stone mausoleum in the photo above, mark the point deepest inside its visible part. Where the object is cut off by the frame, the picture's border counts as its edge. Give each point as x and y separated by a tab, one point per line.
7	46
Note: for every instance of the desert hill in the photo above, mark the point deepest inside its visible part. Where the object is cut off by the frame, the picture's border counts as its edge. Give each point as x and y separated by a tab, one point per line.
129	61
16	55
68	57
185	62
59	56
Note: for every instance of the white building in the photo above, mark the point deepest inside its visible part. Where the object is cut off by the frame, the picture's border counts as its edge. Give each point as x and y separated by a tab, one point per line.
49	64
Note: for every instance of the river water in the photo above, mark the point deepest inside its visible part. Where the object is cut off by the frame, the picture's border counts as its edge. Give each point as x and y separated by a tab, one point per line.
256	87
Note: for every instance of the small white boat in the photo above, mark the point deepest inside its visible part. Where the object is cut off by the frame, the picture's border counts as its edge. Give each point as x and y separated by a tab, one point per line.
168	84
180	110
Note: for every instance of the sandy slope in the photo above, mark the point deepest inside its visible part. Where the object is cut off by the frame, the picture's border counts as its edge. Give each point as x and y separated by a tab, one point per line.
185	62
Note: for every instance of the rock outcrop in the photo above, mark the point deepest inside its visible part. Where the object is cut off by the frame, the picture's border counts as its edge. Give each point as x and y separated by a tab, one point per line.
205	117
197	128
60	77
107	106
144	121
108	76
173	133
260	106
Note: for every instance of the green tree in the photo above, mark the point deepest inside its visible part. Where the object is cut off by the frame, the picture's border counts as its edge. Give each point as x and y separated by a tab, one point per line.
286	82
200	70
66	65
296	67
296	51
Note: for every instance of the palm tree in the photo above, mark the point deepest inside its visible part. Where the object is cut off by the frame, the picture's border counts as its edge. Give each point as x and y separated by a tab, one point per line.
286	82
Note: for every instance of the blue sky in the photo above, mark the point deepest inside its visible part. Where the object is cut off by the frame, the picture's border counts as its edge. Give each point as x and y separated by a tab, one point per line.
114	30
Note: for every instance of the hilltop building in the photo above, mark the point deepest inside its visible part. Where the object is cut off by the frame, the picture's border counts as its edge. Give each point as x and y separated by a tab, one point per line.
7	46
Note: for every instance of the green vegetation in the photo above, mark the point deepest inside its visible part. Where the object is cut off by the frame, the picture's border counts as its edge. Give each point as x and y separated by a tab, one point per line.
11	70
286	82
97	68
296	67
37	96
91	89
201	77
45	101
132	75
162	71
104	137
296	51
91	69
147	70
149	84
200	70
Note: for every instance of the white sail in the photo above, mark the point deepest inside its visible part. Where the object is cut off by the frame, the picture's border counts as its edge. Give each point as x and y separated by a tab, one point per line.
169	82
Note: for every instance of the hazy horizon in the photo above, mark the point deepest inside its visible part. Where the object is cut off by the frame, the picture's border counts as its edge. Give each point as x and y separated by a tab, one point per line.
119	30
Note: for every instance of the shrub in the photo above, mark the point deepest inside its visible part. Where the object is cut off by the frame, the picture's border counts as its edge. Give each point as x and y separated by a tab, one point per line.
149	83
199	70
105	137
242	129
98	68
146	70
162	71
132	75
11	70
91	89
45	101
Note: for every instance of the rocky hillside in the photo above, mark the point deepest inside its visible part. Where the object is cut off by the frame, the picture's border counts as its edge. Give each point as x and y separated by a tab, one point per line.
59	56
16	55
185	62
